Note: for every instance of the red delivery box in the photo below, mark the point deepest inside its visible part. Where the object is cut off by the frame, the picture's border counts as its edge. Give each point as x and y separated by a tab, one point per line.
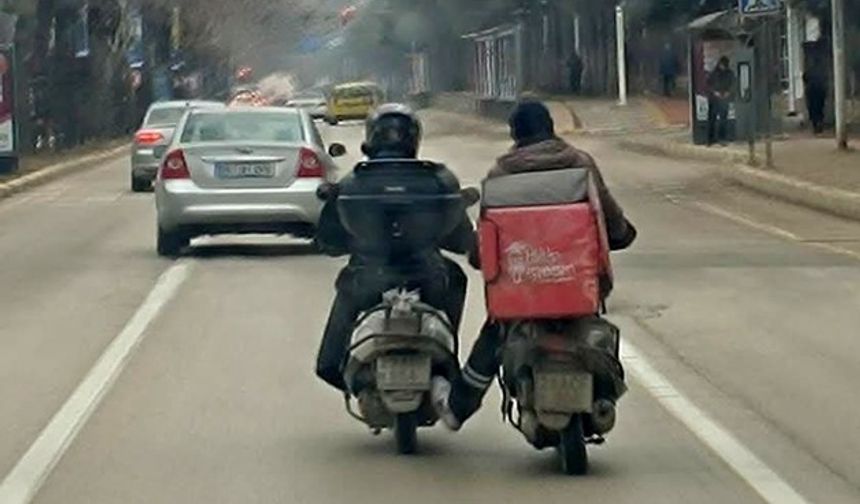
543	247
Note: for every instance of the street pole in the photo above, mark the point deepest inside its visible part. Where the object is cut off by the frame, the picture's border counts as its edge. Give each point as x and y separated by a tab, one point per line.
622	54
839	91
768	66
792	39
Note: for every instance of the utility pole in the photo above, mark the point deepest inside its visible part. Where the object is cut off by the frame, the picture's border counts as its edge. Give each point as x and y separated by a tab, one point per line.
621	44
839	91
794	58
768	67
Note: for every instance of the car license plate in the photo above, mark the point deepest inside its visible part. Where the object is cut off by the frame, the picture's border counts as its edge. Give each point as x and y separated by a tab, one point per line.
244	170
403	372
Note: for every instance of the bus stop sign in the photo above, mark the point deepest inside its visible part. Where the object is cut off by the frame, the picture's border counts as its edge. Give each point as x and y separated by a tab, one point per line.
758	7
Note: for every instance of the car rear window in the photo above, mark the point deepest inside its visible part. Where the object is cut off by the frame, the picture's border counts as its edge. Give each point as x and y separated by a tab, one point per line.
354	92
243	126
165	116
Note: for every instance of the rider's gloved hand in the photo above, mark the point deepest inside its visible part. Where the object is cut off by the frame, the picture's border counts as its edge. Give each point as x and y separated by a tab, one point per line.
626	239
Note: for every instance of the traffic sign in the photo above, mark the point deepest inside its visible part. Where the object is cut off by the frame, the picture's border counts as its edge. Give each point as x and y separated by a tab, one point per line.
757	7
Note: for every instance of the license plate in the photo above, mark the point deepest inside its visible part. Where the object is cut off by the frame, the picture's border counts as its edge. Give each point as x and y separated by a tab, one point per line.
244	170
564	391
403	372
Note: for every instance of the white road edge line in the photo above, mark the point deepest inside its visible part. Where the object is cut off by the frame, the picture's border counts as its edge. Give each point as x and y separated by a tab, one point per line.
772	230
26	478
760	226
769	485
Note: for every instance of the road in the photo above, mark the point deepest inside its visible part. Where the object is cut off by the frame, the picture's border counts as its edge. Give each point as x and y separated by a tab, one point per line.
739	316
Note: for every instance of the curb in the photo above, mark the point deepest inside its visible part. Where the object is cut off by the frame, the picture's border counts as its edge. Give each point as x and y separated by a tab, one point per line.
684	151
53	172
826	199
733	167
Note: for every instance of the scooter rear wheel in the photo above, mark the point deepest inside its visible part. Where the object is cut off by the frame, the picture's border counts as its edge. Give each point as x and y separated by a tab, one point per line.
406	433
572	450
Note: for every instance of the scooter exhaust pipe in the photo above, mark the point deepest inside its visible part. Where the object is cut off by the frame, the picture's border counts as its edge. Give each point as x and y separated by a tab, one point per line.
603	416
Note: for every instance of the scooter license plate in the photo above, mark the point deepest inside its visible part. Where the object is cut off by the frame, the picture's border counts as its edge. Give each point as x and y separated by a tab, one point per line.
564	391
403	372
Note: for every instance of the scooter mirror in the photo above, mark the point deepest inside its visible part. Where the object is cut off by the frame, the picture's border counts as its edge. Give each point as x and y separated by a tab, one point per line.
470	195
327	191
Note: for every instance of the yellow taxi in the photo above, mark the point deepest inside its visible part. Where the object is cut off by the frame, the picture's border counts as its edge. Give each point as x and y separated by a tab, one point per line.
355	100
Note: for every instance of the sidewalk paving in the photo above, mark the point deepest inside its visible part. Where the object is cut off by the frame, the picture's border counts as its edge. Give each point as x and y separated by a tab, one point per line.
602	116
593	115
34	162
675	111
38	169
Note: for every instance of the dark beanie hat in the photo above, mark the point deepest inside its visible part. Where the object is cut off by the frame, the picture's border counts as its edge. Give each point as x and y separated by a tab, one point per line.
531	122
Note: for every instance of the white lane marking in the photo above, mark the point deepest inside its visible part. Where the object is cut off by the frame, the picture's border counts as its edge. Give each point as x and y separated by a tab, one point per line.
767	228
772	230
24	480
769	485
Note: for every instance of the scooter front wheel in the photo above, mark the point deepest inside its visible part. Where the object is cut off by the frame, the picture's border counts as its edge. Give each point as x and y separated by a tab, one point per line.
406	433
572	450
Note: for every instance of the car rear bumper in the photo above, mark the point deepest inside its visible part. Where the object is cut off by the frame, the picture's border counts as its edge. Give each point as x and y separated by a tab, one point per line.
347	113
183	204
144	164
148	172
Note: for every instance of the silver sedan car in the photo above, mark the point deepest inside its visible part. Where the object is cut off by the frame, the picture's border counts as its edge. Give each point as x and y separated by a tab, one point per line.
154	136
312	101
241	170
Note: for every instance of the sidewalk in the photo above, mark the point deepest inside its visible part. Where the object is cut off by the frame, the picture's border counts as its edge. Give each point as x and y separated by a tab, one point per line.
603	116
807	170
38	169
593	115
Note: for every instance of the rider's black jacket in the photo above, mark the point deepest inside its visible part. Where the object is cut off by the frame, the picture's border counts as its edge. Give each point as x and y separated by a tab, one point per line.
334	239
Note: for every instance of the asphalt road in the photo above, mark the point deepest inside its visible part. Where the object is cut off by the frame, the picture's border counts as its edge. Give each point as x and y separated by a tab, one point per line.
739	313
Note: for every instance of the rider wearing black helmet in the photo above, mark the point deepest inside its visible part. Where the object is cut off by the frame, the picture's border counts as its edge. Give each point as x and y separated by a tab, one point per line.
393	133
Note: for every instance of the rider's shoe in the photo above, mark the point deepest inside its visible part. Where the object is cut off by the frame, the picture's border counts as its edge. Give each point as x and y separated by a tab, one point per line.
440	394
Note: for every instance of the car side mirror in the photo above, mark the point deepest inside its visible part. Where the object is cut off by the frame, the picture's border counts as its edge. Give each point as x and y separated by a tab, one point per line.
336	150
470	195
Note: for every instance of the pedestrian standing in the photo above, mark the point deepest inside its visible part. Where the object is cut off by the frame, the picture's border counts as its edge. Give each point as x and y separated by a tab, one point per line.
721	84
815	86
668	70
575	67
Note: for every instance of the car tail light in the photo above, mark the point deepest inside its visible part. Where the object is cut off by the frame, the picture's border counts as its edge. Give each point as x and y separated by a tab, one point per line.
148	137
310	165
174	166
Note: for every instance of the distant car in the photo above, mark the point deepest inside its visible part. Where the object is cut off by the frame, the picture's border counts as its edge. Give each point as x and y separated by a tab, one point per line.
314	102
354	100
242	170
153	136
248	98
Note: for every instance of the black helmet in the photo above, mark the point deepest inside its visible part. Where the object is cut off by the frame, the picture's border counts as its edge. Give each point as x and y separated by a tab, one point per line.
393	130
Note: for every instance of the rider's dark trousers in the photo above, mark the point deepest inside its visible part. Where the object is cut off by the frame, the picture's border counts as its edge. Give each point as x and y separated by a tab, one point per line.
360	289
481	367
